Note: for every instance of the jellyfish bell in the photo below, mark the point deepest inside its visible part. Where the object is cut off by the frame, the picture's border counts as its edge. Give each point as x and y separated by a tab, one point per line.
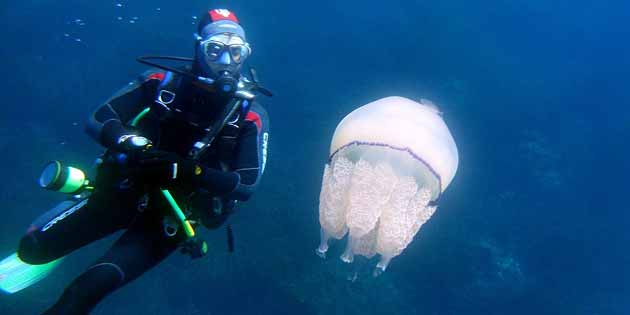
390	161
401	124
431	105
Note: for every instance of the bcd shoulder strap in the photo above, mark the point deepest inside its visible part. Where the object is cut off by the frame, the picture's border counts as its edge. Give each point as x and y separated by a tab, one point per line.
166	95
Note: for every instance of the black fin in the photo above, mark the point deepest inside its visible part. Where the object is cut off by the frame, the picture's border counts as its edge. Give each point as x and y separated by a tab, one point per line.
253	74
264	91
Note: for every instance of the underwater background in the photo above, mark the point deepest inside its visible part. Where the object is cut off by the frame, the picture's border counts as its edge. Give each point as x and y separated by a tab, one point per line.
534	92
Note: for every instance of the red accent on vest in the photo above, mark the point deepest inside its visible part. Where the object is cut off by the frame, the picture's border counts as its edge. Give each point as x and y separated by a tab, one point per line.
254	117
156	76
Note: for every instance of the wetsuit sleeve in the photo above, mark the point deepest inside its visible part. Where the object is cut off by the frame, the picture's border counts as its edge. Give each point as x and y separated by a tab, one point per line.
107	122
251	152
248	163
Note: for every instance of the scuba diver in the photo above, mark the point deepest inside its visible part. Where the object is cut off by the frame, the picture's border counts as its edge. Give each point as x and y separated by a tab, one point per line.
183	146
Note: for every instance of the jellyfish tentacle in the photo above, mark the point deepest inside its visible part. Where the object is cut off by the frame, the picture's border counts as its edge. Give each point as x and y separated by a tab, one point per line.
395	222
365	245
370	189
323	245
348	254
333	197
381	266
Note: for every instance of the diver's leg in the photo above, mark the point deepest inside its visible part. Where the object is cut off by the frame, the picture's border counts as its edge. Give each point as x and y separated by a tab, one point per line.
139	249
70	226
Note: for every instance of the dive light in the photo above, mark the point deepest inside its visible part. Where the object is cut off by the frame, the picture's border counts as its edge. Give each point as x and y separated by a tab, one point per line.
65	179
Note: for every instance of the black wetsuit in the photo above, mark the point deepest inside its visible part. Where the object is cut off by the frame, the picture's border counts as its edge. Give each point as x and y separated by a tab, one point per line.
232	168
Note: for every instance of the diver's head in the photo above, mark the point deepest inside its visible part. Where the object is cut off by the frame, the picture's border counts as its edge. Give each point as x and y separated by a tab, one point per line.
221	47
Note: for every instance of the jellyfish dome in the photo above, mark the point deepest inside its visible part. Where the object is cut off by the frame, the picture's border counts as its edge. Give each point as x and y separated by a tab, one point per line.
390	161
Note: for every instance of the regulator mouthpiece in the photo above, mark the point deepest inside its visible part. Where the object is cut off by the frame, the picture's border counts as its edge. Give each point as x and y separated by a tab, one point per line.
226	83
65	179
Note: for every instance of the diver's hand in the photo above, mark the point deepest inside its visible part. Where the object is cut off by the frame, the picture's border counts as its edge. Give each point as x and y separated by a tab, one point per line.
162	168
133	143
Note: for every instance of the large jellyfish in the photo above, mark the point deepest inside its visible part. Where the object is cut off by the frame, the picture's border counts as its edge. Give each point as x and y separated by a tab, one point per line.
390	161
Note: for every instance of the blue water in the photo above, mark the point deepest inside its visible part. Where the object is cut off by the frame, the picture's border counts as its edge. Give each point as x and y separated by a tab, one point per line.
534	92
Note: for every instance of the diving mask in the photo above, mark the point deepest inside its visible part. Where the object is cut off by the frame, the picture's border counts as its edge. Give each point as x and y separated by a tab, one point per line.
215	47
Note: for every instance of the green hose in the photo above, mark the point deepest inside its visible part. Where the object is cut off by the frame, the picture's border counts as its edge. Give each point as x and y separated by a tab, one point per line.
138	117
179	213
190	232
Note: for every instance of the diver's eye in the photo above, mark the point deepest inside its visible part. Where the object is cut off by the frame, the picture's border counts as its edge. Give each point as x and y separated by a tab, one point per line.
238	53
213	50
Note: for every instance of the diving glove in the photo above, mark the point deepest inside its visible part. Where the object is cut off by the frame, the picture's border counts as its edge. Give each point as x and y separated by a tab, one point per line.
163	168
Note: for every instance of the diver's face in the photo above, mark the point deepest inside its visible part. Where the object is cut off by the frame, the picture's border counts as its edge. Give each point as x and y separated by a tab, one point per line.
223	53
